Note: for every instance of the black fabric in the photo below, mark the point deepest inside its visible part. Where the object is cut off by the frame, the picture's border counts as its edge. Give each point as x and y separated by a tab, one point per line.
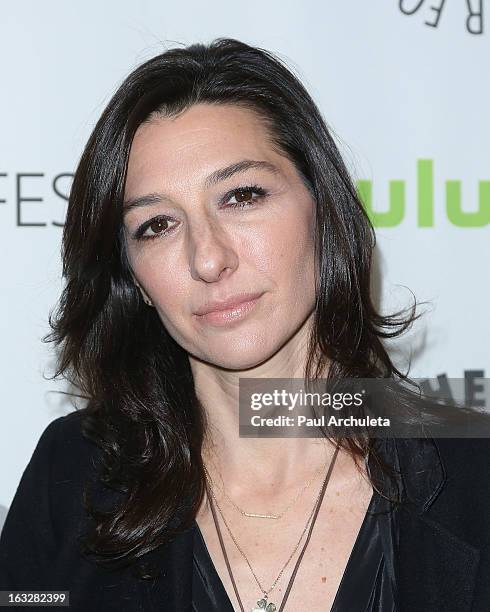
441	560
366	584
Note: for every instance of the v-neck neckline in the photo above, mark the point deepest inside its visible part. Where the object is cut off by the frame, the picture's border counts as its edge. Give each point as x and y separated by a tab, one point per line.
351	564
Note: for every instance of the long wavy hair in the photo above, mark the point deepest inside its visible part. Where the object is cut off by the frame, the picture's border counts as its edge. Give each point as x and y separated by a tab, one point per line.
142	409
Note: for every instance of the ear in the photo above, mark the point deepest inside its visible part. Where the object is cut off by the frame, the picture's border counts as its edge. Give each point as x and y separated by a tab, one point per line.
146	299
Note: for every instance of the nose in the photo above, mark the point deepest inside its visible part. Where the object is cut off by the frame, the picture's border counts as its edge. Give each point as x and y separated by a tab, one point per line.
211	253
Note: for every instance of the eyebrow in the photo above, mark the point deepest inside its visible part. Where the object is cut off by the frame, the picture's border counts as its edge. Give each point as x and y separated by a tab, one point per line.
214	178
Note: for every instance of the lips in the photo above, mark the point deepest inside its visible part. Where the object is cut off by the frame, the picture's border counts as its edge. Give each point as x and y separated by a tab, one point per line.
227	304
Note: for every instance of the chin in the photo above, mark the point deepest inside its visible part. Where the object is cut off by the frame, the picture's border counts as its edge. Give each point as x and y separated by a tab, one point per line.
237	356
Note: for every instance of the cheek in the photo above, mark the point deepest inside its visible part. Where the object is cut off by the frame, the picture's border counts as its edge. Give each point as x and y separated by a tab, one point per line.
161	280
291	251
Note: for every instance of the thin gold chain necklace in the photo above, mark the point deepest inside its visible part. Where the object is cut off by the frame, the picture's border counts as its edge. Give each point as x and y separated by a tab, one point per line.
265	516
262	604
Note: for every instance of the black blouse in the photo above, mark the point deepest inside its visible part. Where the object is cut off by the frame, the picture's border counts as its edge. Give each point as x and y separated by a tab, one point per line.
367	583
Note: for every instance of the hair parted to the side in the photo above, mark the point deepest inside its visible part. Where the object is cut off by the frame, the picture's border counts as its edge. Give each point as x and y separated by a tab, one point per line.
142	409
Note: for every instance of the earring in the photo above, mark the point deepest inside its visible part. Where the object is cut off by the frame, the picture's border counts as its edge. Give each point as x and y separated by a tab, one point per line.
147	301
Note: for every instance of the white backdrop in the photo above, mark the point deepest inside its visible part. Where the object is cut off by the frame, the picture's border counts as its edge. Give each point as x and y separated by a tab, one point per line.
399	83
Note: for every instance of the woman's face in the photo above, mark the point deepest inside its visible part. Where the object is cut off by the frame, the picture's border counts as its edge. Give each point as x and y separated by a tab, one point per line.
213	211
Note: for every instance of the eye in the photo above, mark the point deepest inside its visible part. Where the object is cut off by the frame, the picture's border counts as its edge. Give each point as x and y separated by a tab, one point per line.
244	196
153	228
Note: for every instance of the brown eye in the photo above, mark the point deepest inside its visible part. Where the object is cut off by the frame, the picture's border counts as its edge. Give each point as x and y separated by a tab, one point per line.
243	195
158	225
154	228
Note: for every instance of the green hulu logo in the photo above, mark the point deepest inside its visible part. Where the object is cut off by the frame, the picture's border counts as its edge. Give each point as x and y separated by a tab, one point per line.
425	201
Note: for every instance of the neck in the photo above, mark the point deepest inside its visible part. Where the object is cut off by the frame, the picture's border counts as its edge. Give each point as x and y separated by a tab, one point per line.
260	464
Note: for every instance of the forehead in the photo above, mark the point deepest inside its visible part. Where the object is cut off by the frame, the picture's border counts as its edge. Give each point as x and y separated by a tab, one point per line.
205	116
204	132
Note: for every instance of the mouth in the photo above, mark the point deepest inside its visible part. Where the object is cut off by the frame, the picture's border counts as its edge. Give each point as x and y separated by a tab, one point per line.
228	314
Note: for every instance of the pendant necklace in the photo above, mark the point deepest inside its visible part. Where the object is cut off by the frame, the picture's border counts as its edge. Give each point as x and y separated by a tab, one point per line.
262	604
261	515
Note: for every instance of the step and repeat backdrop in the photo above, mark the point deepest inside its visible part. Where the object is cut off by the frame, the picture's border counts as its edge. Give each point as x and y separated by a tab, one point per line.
403	85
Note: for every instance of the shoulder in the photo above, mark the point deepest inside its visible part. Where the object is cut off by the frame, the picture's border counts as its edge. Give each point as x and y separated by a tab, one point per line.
74	461
66	435
466	460
453	462
68	427
54	478
47	512
61	440
463	501
63	449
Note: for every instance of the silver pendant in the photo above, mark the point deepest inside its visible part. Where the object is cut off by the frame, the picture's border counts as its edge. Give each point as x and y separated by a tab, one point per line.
263	606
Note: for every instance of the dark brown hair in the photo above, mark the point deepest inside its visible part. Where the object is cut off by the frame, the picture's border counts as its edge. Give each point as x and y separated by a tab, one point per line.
142	410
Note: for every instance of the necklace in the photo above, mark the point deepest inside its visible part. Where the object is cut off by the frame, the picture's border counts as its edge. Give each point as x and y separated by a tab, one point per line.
262	604
266	593
266	516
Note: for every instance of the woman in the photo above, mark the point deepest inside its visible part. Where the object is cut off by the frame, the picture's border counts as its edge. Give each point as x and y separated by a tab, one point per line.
213	234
